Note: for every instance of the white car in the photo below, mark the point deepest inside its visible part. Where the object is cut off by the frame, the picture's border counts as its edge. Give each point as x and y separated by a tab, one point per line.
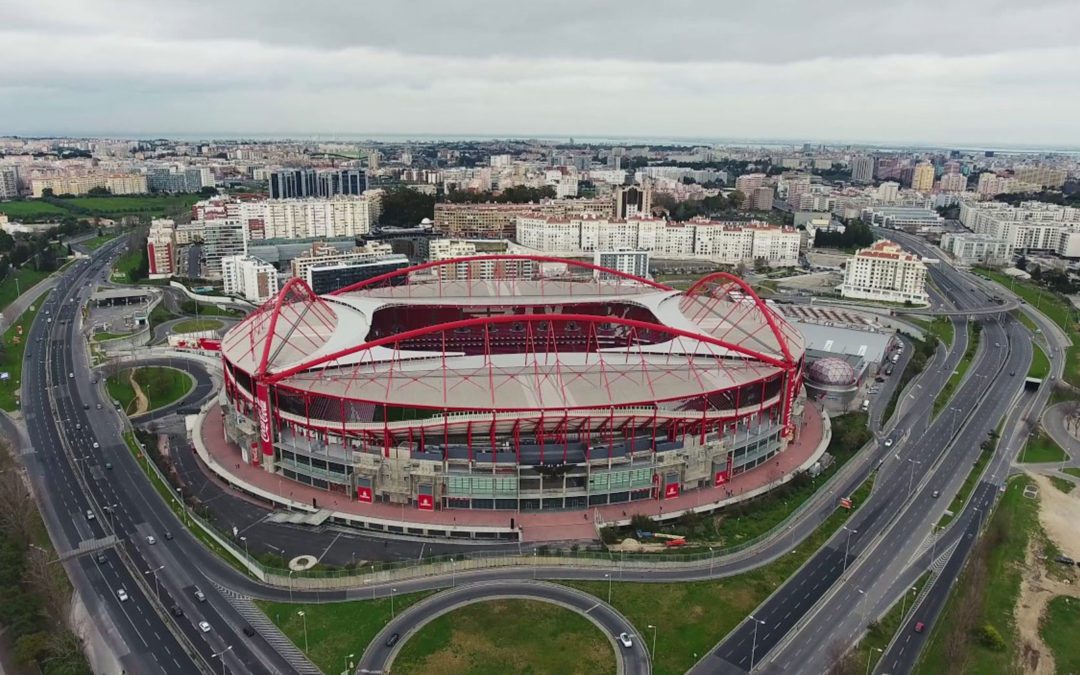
204	627
96	445
89	514
626	639
122	595
888	442
150	540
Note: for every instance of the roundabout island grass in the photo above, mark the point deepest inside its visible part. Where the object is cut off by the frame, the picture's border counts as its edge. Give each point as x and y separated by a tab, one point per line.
498	637
160	385
197	325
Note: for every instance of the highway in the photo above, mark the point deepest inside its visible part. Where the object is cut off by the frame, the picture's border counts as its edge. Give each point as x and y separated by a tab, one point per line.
63	423
633	660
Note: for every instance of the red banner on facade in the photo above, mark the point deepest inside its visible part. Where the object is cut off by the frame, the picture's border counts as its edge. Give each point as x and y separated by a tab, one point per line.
262	410
425	503
721	478
671	490
363	494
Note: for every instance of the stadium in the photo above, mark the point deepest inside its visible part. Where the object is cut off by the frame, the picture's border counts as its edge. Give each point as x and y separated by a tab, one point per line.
512	382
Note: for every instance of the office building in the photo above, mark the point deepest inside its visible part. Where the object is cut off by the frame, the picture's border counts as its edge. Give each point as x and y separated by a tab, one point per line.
161	248
885	272
627	261
331	277
246	276
322	254
178	179
300	183
907	218
221	239
922	177
862	169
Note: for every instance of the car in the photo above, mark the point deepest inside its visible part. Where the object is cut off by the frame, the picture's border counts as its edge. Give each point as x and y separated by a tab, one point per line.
935	494
888	442
85	406
249	631
97	445
100	558
168	535
78	426
626	639
919	626
204	627
1012	373
89	514
176	610
122	595
200	596
150	540
108	466
99	406
71	376
393	639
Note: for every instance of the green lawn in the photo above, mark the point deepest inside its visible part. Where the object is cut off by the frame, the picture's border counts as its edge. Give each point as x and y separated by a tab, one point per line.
1040	449
1059	628
1073	471
197	325
953	382
336	629
1040	363
103	336
501	637
155	206
1057	308
957	504
97	242
204	309
31	209
985	595
161	385
26	276
1065	486
1026	320
126	265
11	354
692	617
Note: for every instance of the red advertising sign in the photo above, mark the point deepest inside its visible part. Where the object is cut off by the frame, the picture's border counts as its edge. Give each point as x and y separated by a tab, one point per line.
262	411
671	490
425	503
721	478
845	502
363	494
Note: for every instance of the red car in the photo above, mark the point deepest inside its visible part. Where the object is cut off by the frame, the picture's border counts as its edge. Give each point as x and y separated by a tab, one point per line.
919	626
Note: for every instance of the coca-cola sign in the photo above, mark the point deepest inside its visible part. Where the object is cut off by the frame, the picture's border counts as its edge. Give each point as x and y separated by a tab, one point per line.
262	410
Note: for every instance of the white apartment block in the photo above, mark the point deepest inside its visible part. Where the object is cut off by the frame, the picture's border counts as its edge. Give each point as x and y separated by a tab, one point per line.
968	248
249	277
1028	226
342	216
626	261
118	184
885	272
1068	244
445	249
726	243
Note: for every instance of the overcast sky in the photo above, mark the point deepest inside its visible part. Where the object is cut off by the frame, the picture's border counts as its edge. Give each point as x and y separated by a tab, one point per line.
943	71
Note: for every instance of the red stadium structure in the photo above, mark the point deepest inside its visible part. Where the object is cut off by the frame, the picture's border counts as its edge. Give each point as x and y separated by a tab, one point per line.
512	382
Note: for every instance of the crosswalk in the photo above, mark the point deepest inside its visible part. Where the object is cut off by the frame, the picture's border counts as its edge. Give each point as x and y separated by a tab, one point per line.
266	628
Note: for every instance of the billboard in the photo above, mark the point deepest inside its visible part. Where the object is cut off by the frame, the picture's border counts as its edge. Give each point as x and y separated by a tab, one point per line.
262	408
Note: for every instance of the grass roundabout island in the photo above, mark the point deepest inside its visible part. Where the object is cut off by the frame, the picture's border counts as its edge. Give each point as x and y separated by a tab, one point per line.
499	637
142	389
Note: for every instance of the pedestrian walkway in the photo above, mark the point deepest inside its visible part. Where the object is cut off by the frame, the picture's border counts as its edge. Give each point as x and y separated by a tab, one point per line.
224	459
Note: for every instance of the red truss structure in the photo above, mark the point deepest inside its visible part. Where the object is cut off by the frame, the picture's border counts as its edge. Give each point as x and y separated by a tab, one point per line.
527	360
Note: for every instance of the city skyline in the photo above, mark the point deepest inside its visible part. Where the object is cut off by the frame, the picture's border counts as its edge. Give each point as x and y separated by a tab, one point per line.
610	70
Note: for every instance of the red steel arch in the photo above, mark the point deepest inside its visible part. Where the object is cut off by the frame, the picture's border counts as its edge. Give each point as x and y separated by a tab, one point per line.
590	319
374	281
702	286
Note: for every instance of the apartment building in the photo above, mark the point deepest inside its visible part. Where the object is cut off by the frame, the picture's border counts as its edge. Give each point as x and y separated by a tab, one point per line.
161	248
862	169
341	216
1041	175
310	183
222	239
627	261
761	198
498	221
9	182
723	242
885	272
748	182
249	277
968	248
1027	226
324	255
922	177
117	184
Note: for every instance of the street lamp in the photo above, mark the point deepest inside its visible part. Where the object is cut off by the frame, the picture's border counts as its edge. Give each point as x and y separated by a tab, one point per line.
847	543
303	617
246	551
348	662
911	477
710	561
862	597
392	591
453	573
903	605
753	644
652	652
290	585
608	577
221	655
870	657
157	591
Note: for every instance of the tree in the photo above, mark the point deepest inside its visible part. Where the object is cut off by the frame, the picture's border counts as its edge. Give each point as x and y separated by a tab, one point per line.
403	207
736	199
208	191
99	192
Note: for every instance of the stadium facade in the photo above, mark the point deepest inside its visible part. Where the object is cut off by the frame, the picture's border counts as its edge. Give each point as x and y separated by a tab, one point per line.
513	382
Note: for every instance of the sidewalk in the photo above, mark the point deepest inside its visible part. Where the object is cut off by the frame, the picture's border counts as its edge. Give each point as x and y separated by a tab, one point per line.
223	458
